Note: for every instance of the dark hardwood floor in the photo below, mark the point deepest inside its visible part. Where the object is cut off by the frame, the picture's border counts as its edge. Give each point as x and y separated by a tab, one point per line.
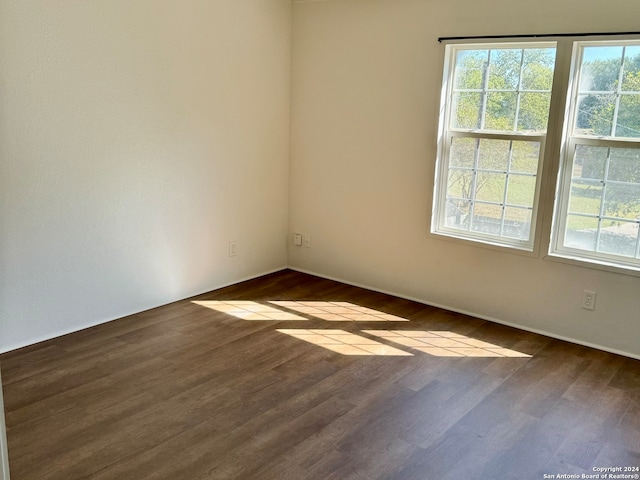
356	385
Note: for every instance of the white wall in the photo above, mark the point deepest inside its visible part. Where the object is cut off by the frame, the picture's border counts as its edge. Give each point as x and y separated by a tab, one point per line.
365	94
137	138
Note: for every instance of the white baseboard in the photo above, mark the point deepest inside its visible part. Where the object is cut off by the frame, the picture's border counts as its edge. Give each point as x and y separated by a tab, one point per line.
476	315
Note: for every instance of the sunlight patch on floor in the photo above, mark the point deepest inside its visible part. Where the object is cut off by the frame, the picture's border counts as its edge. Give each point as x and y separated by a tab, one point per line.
444	344
432	342
247	310
345	343
339	311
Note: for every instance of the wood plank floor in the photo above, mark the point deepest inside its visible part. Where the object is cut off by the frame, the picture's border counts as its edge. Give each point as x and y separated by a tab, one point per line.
329	382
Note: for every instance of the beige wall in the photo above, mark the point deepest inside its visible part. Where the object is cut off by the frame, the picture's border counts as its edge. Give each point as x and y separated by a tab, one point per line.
365	95
137	138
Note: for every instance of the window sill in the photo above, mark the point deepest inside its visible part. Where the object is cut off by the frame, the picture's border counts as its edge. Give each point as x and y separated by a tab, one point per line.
567	259
482	243
593	264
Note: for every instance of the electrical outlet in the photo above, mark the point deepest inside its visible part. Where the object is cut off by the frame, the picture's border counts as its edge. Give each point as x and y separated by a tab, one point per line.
233	248
307	240
297	239
589	300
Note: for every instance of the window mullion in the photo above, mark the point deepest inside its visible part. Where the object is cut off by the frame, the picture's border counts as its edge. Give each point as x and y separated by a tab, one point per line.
506	188
603	199
519	92
493	135
515	128
485	88
616	108
474	183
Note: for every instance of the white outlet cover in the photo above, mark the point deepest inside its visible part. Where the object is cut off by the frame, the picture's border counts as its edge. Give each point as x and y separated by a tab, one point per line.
589	300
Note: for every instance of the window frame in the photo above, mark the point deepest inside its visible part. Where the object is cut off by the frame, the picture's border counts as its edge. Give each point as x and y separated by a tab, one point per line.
571	141
551	188
446	134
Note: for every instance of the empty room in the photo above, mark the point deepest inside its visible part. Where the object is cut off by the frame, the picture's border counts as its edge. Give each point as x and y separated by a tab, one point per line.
319	239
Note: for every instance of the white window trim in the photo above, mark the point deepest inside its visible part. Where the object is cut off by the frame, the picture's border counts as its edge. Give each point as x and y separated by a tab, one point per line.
555	151
445	136
556	249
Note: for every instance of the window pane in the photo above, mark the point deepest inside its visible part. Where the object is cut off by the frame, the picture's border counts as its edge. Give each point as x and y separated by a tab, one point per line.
622	200
501	111
605	111
581	232
534	112
490	187
524	157
595	114
585	198
504	69
590	162
631	76
498	75
457	214
487	219
463	151
493	155
622	195
624	165
628	123
521	190
618	238
600	69
537	72
605	188
470	69
466	110
517	223
460	183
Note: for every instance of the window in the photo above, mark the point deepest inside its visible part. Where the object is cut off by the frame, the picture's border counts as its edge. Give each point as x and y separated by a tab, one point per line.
495	125
598	210
494	130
